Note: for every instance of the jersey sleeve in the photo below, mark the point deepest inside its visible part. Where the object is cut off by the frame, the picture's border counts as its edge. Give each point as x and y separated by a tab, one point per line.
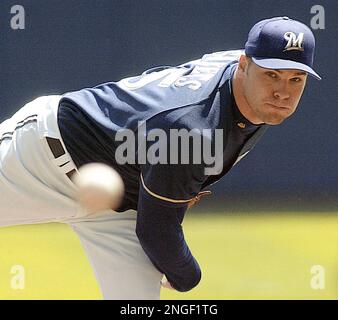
164	195
161	236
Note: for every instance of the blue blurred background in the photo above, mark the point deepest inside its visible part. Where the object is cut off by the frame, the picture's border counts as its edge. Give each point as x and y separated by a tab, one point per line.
70	44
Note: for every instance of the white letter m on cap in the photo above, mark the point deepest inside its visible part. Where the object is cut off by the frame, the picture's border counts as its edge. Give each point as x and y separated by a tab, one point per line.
294	42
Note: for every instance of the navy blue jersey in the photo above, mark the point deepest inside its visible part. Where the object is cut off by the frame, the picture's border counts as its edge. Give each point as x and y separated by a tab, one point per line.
195	96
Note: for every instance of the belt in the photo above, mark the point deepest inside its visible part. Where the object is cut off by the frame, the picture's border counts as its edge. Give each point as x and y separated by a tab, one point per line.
62	158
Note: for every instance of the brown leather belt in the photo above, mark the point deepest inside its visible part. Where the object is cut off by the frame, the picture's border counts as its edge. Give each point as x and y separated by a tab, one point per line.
57	149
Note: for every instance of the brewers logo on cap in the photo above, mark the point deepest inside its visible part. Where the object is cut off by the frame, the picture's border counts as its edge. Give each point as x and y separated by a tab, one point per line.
294	42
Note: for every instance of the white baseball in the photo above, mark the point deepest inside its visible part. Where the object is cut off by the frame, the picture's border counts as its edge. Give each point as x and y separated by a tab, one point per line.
99	187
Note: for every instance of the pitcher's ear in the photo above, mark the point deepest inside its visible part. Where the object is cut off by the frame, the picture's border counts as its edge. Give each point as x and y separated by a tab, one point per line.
244	62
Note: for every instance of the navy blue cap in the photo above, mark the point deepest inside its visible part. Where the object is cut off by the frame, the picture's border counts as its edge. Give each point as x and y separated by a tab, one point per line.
282	43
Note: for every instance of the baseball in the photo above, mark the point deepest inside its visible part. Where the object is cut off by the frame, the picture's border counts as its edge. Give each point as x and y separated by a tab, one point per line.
99	187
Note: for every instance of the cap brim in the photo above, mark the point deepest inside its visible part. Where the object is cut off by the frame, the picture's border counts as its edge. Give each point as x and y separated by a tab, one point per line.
284	64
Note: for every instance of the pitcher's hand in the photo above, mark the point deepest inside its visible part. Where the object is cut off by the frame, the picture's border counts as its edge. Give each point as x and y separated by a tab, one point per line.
166	284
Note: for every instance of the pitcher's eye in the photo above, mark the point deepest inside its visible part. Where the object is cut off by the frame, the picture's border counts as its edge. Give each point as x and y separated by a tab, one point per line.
297	79
271	74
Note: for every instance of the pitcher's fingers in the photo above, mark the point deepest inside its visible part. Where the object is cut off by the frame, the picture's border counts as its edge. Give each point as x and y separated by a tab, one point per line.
166	284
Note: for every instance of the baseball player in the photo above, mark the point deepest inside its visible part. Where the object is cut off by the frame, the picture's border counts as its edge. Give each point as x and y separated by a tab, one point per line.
227	99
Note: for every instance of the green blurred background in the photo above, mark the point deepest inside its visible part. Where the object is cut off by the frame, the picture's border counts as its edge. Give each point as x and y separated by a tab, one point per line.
242	255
